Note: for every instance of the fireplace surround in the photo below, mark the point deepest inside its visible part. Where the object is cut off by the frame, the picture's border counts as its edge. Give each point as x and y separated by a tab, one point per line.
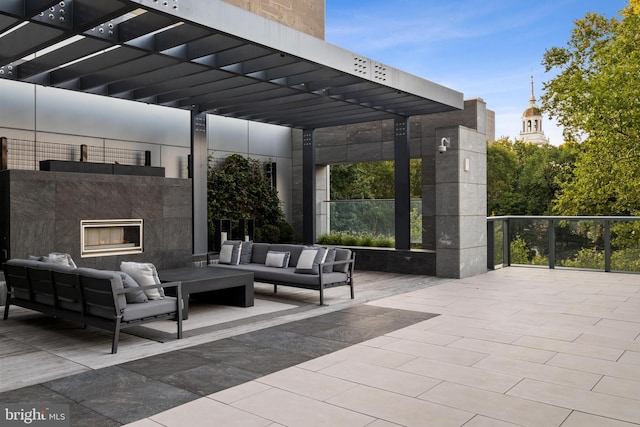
41	212
111	237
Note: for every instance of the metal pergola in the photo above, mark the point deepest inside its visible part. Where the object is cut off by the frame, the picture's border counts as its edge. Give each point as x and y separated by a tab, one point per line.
208	57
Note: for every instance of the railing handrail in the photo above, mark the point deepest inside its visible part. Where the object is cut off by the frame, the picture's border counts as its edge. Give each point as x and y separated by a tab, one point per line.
506	221
569	218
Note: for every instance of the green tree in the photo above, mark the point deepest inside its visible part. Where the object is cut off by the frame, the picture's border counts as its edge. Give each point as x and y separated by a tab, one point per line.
372	180
595	96
502	167
524	178
238	189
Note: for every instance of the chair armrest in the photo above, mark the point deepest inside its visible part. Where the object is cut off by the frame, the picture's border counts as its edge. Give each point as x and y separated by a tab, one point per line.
162	285
344	261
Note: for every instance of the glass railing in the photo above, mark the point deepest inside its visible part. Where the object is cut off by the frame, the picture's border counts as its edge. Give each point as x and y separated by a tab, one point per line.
610	243
372	217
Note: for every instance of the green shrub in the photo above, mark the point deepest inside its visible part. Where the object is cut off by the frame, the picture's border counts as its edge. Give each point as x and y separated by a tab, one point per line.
345	239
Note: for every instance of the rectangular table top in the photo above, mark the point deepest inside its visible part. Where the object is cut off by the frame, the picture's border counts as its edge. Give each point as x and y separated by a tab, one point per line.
196	274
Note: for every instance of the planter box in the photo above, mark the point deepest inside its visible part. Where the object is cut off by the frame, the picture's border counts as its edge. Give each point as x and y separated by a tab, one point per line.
395	261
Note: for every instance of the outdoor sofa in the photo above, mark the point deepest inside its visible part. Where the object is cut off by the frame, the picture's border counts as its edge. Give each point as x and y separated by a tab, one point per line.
88	296
308	267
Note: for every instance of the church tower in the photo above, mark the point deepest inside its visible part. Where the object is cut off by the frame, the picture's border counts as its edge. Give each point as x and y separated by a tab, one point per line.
532	123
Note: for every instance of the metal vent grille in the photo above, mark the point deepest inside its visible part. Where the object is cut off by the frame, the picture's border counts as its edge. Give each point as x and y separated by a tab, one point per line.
360	66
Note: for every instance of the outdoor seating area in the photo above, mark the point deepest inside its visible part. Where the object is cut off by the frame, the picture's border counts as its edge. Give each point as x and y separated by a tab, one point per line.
317	268
515	346
105	299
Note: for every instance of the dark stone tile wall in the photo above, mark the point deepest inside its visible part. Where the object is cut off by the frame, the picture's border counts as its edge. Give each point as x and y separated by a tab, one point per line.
396	261
41	213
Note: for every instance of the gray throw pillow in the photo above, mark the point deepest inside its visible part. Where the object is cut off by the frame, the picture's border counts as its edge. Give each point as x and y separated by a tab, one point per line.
133	297
331	257
245	252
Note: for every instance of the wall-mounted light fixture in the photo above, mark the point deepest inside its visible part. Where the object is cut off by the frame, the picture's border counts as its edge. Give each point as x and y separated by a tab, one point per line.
444	144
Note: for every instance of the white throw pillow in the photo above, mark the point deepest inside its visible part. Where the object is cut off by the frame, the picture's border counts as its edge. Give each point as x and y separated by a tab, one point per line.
310	260
61	258
230	252
145	274
305	262
277	259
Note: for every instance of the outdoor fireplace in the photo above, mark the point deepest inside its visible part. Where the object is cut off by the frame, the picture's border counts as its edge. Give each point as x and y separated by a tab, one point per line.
110	237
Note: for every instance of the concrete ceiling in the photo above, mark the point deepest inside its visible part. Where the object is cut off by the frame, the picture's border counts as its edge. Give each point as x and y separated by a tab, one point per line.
207	56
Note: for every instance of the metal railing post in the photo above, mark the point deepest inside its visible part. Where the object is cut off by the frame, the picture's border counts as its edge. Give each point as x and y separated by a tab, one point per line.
506	243
552	243
491	241
607	245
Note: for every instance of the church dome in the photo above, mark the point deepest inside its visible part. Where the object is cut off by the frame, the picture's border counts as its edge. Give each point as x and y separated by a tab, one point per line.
532	111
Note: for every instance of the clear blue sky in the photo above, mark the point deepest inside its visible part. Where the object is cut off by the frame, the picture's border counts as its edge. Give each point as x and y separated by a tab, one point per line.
483	48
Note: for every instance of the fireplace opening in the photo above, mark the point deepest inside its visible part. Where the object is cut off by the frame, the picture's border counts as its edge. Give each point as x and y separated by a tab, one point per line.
110	237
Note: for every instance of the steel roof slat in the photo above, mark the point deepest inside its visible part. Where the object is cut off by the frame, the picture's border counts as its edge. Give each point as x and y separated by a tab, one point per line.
26	40
142	25
189	79
64	55
230	93
7	22
25	8
149	80
94	64
210	45
202	83
126	71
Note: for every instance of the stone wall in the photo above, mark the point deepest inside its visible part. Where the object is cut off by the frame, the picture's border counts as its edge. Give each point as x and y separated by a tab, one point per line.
302	15
41	213
453	199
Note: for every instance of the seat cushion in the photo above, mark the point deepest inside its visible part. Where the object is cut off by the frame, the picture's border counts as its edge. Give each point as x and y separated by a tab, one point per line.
150	309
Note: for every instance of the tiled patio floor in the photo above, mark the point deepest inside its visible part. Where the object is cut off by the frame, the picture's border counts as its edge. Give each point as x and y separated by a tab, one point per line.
517	346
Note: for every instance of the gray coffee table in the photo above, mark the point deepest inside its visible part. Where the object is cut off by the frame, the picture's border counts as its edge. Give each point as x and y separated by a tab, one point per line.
227	286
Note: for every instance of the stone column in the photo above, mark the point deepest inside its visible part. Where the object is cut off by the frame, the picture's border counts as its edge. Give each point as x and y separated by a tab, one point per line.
461	203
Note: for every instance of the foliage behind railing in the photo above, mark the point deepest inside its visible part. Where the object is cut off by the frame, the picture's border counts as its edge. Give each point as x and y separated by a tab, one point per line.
609	243
371	221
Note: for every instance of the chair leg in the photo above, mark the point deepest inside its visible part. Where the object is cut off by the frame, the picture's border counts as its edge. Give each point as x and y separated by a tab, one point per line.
116	336
6	309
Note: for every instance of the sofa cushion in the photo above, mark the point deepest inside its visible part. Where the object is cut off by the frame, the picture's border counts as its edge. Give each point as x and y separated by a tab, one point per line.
310	259
145	274
277	259
230	252
152	308
342	255
245	252
331	256
133	297
259	253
